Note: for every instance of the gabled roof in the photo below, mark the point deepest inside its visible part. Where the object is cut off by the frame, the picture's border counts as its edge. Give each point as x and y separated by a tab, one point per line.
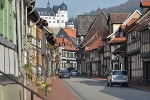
132	21
131	18
68	45
145	3
99	24
135	14
117	17
71	32
95	45
145	23
84	22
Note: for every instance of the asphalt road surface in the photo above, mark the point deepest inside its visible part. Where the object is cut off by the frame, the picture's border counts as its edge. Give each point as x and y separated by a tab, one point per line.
90	89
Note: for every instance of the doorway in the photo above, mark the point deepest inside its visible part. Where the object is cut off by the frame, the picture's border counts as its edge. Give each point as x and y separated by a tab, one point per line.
146	73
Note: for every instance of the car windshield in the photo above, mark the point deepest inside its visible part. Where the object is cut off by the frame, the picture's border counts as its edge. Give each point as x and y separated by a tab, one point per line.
65	71
74	71
119	73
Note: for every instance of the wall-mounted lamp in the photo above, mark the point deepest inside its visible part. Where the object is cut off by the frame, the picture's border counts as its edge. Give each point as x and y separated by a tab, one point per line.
29	36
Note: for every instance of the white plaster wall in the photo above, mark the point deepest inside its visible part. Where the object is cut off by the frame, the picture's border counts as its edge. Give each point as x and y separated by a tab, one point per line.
11	61
2	58
6	61
11	92
65	18
115	27
16	64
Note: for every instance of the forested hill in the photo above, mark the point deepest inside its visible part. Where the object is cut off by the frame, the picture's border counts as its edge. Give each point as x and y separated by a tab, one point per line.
129	6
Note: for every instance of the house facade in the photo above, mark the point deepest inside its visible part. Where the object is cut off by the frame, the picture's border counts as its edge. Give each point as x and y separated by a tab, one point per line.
66	43
114	22
92	45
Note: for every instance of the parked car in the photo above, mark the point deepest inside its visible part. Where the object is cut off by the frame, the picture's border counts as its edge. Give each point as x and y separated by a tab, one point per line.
56	71
64	74
118	77
74	73
106	74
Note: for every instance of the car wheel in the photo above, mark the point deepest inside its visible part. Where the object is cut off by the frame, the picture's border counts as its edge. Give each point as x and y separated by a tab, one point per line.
122	85
126	85
110	84
107	84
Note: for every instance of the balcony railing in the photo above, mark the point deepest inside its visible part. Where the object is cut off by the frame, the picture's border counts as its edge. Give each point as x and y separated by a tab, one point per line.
32	92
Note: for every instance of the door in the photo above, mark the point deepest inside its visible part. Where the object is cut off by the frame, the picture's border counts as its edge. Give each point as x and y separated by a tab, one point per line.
145	73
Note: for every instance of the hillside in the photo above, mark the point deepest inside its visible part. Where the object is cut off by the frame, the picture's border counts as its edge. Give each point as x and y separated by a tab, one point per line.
129	6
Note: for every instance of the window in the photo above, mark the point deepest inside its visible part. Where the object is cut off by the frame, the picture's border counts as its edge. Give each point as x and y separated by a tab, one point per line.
1	22
49	17
53	21
57	15
62	21
57	21
49	21
6	22
45	17
62	15
53	17
71	55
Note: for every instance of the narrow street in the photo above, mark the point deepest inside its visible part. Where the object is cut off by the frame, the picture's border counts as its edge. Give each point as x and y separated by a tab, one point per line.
90	89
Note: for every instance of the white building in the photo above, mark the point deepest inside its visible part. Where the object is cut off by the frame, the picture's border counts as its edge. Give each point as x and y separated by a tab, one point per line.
56	16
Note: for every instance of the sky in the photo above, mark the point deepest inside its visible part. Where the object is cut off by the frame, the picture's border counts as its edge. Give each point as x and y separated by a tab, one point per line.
79	7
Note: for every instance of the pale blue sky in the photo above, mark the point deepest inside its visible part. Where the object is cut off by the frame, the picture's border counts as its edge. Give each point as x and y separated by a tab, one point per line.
78	7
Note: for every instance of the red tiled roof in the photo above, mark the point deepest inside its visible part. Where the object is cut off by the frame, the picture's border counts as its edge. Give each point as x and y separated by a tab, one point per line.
144	22
131	21
59	41
145	3
71	32
68	45
117	40
95	45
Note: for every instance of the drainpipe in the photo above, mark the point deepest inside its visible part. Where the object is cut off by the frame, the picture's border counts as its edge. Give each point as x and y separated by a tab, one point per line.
19	45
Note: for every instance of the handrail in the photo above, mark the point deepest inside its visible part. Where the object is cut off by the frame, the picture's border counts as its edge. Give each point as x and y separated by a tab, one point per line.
32	92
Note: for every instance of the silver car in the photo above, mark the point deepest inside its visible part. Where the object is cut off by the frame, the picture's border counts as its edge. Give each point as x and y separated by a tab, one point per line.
118	77
74	73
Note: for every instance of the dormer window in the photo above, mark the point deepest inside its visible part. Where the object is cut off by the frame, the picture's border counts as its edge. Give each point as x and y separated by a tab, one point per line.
61	35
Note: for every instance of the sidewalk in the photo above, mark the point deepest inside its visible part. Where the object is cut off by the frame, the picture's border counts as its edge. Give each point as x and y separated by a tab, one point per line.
59	92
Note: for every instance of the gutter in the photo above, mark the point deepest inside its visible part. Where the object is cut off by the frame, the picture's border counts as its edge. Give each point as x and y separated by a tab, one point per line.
19	45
